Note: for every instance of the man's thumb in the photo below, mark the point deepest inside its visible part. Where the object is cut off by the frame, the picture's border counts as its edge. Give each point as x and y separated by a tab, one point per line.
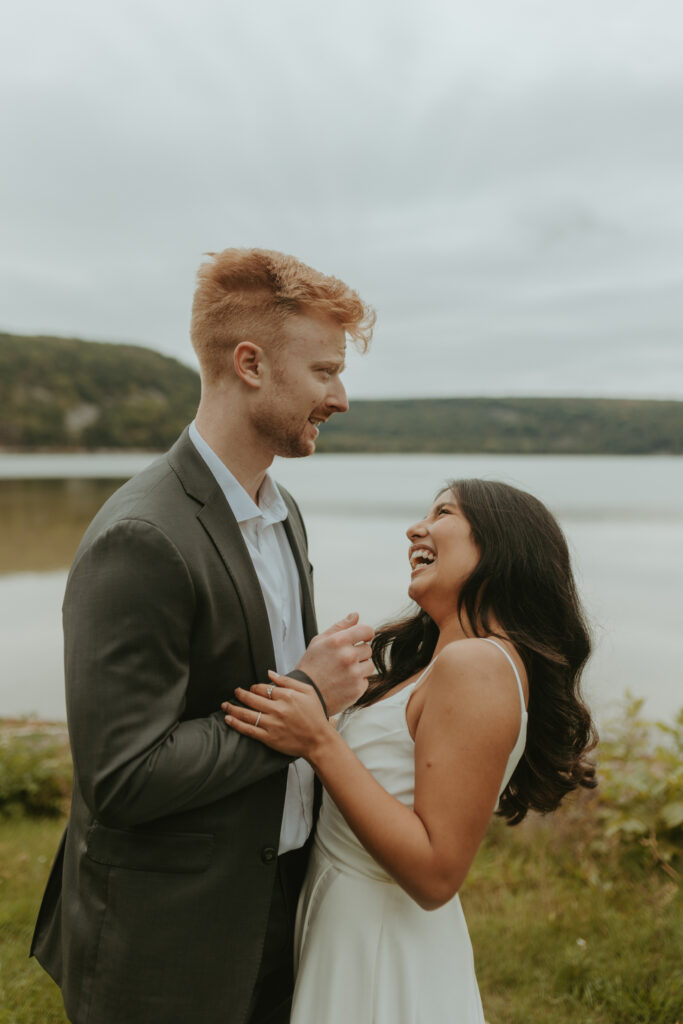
350	620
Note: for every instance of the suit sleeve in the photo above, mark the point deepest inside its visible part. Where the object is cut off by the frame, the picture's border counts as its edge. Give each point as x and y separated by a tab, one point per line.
128	614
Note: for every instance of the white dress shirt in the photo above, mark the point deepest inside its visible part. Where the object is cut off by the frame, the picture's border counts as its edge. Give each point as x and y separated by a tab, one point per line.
264	534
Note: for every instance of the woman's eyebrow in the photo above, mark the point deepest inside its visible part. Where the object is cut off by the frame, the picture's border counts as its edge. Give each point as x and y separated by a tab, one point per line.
443	504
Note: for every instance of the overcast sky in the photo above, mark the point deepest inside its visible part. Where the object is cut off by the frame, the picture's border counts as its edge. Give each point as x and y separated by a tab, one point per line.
501	180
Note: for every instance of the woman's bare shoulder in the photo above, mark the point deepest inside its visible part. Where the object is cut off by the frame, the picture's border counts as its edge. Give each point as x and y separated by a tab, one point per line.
474	675
471	654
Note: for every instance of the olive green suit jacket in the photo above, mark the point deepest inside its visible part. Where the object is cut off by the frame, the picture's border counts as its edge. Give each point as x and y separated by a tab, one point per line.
157	904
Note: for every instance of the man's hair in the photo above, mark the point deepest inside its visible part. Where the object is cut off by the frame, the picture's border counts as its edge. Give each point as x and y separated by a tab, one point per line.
248	294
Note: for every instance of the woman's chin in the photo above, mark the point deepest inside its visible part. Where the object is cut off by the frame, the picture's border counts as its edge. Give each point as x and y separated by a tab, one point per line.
416	592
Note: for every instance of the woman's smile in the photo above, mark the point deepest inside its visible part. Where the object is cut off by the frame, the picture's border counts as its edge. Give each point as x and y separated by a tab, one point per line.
420	558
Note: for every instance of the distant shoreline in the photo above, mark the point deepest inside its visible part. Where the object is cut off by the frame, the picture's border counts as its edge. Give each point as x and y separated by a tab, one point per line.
69	396
79	450
137	452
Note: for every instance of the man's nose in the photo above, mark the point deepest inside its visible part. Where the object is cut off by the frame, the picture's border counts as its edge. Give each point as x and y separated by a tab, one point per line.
337	397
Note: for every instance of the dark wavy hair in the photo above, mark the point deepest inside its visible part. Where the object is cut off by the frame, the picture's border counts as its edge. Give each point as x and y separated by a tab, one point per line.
522	585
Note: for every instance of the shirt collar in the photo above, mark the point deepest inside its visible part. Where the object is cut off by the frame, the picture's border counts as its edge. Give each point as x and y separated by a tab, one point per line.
271	506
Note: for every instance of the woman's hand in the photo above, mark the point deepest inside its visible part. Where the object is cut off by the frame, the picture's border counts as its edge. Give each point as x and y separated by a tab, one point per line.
285	714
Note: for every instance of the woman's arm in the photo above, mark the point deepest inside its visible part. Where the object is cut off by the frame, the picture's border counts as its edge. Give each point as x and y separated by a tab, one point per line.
467	728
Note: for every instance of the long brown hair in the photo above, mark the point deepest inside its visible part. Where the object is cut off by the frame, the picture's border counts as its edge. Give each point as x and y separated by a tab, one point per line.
523	582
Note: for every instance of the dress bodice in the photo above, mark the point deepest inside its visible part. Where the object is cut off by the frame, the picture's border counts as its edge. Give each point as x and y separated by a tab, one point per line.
379	736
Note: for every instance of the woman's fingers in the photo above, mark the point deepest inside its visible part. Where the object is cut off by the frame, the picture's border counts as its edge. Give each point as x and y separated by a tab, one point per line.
250	699
245	716
249	715
266	690
253	724
277	682
287	682
269	690
286	720
239	724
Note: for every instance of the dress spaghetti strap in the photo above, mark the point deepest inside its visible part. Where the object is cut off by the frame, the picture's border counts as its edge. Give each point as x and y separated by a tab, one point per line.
424	672
514	669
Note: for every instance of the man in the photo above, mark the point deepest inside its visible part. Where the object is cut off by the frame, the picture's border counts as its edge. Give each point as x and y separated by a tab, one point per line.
172	895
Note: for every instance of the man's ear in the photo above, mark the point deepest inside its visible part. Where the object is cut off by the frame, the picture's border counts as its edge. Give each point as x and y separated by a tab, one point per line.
248	360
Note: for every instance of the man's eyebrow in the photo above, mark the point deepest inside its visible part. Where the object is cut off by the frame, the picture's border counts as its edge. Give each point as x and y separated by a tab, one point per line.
330	364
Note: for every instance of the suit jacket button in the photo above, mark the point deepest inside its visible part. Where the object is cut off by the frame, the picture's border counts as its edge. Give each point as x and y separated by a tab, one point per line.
268	854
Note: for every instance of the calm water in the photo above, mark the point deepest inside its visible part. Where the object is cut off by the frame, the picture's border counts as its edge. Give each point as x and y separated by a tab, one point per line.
623	518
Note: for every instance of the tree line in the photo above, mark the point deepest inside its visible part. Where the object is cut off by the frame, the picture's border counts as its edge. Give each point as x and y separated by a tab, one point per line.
68	394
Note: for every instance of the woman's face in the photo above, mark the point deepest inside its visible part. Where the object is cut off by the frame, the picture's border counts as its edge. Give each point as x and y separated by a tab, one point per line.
442	556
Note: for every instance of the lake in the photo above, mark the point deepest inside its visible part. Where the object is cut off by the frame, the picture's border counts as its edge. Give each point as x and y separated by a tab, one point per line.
623	517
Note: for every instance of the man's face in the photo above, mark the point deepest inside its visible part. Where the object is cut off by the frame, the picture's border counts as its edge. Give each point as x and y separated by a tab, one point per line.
304	385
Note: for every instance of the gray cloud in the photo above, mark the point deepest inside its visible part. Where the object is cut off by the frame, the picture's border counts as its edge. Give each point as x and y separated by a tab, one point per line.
503	184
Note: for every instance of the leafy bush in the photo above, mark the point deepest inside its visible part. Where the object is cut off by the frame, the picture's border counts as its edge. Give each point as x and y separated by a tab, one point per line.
635	816
633	820
35	769
575	916
639	806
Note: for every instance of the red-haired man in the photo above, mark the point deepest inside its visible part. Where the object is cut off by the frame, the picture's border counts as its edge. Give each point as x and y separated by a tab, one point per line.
172	896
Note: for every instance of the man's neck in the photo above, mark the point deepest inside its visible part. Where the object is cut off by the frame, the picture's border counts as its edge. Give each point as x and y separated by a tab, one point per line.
241	453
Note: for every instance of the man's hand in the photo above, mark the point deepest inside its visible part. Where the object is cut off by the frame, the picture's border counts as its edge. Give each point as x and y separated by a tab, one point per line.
339	662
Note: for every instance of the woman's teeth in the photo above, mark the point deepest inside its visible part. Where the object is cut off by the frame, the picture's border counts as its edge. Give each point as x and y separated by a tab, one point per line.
421	556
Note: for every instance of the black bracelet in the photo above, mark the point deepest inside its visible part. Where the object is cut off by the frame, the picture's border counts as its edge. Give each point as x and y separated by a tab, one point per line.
296	673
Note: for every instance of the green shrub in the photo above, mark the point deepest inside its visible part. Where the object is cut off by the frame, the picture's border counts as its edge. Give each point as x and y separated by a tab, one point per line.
632	821
35	769
635	816
641	803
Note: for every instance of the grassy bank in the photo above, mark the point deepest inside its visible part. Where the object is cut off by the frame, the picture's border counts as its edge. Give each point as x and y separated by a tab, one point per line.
551	947
575	919
548	947
27	995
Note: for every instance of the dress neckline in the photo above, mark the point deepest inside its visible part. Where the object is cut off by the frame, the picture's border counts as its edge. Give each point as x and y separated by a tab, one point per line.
411	686
404	689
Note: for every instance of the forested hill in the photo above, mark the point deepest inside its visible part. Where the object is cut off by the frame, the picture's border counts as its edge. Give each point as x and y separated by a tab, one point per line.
59	394
527	425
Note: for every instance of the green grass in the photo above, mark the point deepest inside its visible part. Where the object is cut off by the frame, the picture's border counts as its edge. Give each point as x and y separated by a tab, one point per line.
548	945
27	846
575	918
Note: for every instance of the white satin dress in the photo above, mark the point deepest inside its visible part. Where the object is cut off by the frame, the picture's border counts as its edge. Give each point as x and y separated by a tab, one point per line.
365	952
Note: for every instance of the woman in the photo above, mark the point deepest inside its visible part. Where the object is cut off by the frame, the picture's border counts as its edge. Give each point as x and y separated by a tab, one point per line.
440	739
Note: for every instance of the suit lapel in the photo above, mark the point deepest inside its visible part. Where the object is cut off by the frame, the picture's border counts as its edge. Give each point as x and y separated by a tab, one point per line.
218	520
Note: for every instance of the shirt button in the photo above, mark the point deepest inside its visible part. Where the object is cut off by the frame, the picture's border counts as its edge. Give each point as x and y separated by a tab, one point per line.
268	854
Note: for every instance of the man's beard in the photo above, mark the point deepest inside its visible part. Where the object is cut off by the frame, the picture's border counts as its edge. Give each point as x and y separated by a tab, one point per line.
285	437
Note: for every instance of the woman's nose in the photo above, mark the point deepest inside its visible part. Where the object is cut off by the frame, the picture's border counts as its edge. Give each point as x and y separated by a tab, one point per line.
416	530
